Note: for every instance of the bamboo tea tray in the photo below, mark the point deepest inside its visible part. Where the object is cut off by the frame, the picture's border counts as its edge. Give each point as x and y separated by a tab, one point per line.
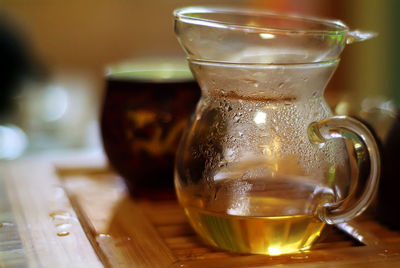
75	212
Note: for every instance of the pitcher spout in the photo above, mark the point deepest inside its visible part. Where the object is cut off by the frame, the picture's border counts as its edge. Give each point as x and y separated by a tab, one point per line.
359	36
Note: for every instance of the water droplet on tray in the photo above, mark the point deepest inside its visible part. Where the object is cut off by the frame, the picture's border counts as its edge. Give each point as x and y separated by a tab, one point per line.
6	224
59	192
102	235
63	233
299	257
63	225
61	215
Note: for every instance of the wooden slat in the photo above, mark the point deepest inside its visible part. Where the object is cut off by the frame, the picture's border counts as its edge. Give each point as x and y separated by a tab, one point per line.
12	253
50	233
123	232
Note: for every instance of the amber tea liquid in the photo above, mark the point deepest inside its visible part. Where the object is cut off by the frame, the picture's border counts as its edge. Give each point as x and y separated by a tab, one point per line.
215	221
261	235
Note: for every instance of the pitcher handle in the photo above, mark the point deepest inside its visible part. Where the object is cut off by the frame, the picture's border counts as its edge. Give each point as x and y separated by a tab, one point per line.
352	129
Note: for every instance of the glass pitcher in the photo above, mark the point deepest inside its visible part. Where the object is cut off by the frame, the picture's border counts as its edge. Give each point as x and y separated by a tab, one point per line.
264	165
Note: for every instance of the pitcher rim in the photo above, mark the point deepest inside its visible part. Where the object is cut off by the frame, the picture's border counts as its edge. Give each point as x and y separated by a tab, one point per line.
261	65
181	14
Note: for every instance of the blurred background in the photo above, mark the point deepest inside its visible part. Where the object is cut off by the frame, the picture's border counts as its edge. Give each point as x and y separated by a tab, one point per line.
53	55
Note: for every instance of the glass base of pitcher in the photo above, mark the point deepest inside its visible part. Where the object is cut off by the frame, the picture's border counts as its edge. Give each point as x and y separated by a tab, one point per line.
258	235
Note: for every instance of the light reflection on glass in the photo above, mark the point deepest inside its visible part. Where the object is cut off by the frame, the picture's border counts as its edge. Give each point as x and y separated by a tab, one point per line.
260	118
274	251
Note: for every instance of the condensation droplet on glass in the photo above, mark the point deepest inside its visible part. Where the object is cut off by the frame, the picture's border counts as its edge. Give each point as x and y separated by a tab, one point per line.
222	163
241	134
229	152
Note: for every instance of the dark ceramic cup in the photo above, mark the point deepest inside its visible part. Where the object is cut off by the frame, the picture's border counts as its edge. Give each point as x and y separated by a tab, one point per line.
145	110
